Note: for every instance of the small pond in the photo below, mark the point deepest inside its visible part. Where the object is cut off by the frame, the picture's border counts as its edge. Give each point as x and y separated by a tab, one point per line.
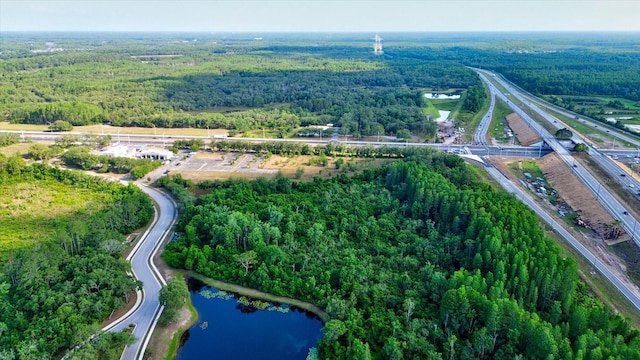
229	327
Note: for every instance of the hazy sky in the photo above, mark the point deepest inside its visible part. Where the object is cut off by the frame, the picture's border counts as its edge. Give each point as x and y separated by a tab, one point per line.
320	15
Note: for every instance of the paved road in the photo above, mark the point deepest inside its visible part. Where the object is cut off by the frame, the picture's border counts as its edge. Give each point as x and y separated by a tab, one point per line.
147	309
516	151
597	125
525	197
522	195
617	210
483	127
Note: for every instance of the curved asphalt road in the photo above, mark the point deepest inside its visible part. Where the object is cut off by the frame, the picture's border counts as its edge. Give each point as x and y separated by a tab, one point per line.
145	313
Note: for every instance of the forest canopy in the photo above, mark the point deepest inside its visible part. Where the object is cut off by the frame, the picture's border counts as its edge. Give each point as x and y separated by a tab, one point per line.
56	293
434	264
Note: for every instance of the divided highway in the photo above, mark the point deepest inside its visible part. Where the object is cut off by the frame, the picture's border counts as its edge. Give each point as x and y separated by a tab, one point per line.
147	309
630	293
617	210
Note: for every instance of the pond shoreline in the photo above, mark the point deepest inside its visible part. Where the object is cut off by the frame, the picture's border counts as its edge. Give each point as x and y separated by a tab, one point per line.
260	295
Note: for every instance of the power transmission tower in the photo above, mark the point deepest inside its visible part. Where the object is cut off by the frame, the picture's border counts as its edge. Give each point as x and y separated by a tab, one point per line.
377	45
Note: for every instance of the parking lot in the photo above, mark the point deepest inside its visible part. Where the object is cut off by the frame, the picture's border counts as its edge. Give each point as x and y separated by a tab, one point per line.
220	163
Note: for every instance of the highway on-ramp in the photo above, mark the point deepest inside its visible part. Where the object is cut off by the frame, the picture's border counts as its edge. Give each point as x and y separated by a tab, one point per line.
630	293
601	193
145	314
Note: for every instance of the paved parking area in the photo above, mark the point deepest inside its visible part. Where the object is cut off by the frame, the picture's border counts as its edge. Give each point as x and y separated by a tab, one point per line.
220	162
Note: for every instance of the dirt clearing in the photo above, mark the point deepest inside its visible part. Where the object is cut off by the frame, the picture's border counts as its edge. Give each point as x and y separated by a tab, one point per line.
576	194
525	135
223	166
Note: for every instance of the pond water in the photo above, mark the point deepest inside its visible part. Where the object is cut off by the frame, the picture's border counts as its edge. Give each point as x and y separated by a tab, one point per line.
228	329
441	96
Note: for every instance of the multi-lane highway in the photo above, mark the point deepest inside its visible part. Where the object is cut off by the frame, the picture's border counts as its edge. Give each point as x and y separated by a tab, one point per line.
629	291
480	150
617	210
483	127
596	125
147	309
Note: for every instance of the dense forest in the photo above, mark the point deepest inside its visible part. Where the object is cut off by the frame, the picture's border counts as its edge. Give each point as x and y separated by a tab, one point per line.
239	89
434	264
237	83
55	294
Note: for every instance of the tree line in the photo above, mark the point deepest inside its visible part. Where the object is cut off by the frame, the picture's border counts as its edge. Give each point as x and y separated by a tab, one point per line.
434	264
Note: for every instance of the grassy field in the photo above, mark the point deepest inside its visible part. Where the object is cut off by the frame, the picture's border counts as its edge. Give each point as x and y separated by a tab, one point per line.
445	104
30	210
595	135
431	109
497	129
19	148
467	120
115	130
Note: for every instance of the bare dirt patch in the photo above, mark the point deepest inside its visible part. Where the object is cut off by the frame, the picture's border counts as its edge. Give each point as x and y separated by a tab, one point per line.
525	135
576	194
595	245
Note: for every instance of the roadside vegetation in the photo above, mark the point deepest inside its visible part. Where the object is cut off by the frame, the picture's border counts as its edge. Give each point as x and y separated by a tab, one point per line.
415	273
498	127
62	272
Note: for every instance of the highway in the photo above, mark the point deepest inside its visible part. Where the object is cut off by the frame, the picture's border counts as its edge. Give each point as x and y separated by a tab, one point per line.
597	125
480	135
480	150
631	295
617	210
147	309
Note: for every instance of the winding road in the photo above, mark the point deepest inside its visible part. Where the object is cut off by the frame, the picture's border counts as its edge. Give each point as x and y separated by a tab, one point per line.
146	311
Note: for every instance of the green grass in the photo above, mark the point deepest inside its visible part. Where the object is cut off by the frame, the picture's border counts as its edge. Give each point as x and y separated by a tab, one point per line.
19	148
598	101
469	120
259	134
498	127
595	135
530	166
430	109
445	104
30	210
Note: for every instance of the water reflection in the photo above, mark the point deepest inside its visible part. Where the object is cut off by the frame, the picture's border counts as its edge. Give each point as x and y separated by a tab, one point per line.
232	327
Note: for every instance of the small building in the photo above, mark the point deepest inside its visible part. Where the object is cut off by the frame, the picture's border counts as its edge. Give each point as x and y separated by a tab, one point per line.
155	154
118	151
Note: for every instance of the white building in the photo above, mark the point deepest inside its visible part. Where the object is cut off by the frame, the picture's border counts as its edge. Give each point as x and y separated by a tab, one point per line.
155	154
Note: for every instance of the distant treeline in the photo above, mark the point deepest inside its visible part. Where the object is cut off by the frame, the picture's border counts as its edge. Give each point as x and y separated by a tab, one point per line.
239	84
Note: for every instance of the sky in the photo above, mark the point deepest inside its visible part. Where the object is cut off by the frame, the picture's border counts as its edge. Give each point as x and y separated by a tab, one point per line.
319	15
